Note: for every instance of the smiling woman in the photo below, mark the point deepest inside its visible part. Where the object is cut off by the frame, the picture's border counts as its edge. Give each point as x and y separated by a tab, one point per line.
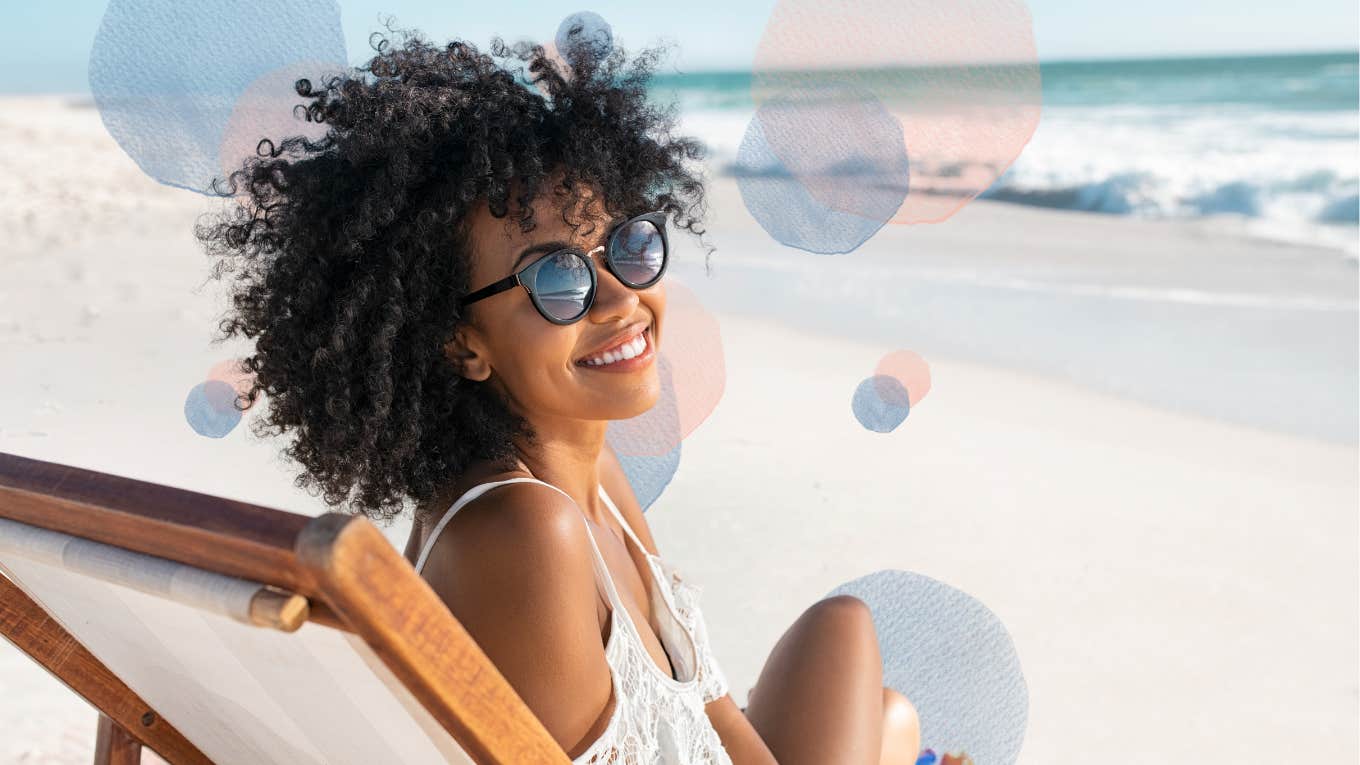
352	251
452	294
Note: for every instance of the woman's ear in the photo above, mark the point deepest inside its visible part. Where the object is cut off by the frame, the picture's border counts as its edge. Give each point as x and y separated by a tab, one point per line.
464	352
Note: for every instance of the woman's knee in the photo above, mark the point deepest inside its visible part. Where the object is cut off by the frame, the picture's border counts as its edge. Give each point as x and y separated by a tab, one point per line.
901	728
842	612
898	711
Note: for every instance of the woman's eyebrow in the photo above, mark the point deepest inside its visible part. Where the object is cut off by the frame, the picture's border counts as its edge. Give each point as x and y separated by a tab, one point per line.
542	247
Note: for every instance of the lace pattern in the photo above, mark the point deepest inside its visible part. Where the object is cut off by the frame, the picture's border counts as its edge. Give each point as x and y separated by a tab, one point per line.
657	720
712	681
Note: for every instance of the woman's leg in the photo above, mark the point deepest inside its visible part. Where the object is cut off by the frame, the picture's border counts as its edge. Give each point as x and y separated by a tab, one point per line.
901	730
820	694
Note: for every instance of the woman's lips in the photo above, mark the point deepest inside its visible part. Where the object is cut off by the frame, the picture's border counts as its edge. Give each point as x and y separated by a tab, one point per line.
639	361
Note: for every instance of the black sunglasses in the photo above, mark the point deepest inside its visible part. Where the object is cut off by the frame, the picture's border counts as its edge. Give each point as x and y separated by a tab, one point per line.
562	283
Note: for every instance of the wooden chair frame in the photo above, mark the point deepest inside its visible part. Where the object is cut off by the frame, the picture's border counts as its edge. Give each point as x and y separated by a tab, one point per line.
352	577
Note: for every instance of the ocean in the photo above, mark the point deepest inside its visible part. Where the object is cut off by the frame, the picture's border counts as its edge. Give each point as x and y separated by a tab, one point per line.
1268	145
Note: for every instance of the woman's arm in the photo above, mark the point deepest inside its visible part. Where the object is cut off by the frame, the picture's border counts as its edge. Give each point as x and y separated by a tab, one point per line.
516	569
739	737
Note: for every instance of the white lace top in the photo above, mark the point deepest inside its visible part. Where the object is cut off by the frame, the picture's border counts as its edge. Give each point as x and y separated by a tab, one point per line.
657	719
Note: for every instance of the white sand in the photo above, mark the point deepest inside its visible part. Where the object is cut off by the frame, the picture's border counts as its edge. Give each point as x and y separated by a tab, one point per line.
1178	572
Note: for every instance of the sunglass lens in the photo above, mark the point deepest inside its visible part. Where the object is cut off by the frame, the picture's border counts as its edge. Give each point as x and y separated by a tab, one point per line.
639	253
562	284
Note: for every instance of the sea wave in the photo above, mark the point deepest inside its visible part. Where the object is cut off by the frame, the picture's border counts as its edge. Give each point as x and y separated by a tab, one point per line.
1286	175
1298	172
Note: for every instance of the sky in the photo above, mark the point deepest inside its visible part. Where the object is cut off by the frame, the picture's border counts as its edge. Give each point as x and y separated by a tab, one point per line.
48	44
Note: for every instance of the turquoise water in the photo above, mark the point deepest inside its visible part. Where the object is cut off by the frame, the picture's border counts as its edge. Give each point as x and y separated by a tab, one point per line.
1304	82
1308	83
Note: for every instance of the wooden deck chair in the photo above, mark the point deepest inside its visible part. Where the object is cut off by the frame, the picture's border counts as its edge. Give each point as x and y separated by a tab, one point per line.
216	631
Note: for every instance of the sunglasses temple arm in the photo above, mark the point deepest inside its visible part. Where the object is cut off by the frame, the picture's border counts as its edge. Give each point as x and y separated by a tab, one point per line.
493	288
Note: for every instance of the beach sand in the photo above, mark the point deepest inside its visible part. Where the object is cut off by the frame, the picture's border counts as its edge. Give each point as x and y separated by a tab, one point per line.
1138	449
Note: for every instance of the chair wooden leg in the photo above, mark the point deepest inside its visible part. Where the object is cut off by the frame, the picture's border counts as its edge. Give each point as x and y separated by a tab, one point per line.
115	746
35	632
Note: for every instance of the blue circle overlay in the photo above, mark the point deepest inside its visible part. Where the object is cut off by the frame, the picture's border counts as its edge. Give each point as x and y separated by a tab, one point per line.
953	659
584	28
211	410
166	74
649	476
649	473
880	403
822	169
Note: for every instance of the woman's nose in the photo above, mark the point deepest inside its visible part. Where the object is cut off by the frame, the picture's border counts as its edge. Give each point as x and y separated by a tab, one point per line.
613	298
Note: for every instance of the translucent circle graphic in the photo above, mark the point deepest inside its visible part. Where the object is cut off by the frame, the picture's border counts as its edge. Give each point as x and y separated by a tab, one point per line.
584	33
234	374
822	168
638	441
953	659
909	369
693	374
270	108
649	476
962	79
210	409
167	75
880	403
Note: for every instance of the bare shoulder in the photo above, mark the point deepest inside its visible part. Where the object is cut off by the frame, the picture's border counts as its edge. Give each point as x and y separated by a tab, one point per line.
514	566
616	483
521	530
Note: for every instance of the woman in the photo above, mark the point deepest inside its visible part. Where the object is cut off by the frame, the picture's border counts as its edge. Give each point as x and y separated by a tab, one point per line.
452	293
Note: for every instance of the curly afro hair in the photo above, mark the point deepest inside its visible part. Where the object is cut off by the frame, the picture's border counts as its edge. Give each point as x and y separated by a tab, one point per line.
351	251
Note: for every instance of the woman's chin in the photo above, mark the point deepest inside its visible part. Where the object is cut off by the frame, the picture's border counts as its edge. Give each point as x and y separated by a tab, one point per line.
626	407
633	409
620	397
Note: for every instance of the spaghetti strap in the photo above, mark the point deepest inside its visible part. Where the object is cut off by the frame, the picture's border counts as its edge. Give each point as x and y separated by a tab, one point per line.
623	521
601	570
468	496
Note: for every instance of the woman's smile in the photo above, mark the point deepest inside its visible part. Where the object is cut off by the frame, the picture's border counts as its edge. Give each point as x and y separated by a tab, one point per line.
628	355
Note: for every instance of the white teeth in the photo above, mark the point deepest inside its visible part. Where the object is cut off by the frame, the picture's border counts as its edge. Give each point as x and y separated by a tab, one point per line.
626	351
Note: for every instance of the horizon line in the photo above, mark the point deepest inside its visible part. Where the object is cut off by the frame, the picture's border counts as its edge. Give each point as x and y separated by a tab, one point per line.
1121	58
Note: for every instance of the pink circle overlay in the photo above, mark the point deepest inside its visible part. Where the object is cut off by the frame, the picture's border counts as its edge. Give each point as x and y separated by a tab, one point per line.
234	374
270	107
564	68
961	76
908	368
693	374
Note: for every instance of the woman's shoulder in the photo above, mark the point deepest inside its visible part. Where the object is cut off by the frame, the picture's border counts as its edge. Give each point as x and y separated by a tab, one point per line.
534	519
523	543
515	567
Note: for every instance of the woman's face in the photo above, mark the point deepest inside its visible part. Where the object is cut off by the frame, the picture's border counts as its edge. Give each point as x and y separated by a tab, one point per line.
541	368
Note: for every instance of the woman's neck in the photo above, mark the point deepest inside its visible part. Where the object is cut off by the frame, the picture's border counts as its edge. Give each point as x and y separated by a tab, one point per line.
566	454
